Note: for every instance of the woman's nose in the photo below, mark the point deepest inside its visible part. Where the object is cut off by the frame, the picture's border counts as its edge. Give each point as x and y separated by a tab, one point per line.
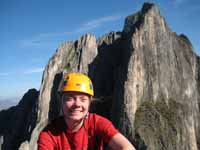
77	102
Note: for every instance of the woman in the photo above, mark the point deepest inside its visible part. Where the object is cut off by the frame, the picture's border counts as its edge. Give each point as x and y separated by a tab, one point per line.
78	129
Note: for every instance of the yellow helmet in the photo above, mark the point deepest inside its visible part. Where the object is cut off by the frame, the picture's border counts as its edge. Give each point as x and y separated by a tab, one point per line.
77	82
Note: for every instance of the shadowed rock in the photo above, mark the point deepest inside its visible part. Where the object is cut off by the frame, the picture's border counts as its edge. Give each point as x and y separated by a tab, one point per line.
18	121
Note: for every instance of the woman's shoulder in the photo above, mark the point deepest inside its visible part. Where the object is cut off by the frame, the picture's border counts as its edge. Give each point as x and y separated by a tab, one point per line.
94	116
97	119
102	126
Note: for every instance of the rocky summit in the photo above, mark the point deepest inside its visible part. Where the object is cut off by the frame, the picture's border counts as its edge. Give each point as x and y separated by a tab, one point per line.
146	80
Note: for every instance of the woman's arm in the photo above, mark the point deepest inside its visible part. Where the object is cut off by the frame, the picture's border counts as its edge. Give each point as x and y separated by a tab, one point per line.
119	142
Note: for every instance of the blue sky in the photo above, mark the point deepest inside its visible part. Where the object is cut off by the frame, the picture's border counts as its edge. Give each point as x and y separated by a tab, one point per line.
31	30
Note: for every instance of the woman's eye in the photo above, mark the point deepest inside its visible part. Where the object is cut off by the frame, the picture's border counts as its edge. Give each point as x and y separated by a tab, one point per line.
68	98
83	99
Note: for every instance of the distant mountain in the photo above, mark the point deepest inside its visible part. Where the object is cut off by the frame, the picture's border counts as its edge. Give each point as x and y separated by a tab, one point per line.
7	103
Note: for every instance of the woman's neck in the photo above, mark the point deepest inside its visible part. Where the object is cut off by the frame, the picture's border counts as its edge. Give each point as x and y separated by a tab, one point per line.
73	126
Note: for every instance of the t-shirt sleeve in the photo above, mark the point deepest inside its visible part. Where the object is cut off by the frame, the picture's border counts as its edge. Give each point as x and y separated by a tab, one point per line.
45	142
105	129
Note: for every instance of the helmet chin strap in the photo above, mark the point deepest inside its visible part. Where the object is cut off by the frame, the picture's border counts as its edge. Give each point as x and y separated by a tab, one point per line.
86	115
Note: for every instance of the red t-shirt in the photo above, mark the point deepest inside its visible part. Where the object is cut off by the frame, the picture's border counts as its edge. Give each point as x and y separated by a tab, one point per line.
91	136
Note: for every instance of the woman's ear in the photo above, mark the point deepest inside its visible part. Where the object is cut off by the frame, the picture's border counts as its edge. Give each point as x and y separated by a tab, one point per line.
91	98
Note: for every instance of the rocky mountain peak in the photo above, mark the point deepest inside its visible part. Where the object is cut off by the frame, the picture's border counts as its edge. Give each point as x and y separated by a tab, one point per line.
150	7
148	15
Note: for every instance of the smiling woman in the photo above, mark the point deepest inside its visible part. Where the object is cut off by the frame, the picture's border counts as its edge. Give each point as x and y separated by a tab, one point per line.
78	129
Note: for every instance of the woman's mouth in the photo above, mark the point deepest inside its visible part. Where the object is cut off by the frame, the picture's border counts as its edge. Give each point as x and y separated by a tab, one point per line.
75	111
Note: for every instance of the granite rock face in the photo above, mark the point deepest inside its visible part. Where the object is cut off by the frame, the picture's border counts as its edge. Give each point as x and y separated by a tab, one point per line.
160	98
146	80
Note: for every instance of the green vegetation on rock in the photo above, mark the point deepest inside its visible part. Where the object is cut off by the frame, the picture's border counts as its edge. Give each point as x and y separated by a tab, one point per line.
159	124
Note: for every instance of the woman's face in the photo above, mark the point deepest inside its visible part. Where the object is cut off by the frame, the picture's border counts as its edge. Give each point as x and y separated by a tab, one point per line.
75	105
